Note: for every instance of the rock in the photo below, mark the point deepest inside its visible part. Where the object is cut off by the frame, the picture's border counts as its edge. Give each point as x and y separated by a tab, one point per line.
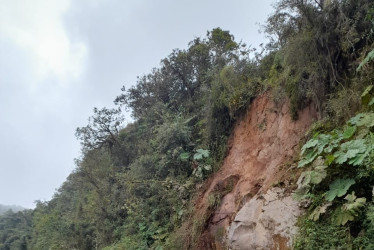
265	222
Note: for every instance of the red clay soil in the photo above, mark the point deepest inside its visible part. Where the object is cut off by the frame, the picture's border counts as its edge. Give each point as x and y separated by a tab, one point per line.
262	141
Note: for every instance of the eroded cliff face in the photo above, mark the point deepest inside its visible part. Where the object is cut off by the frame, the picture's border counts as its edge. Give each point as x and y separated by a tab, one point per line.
250	214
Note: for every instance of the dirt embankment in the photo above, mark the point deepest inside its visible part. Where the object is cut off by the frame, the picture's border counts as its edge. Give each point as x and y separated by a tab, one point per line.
263	141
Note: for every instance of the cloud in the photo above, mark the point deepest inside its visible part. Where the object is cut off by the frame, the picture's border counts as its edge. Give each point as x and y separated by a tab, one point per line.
37	28
41	67
61	58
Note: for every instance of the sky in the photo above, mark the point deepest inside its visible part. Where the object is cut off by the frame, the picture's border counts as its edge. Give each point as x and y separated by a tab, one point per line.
61	58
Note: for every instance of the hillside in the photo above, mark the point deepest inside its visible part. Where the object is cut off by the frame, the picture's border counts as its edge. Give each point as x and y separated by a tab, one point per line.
229	148
263	142
6	208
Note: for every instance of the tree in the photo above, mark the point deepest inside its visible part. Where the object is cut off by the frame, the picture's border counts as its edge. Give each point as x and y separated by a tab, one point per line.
223	46
102	129
15	230
317	41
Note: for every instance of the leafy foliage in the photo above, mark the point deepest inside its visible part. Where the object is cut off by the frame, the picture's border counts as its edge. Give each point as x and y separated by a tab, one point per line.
338	188
352	150
349	132
316	41
4	209
318	211
102	128
321	234
201	168
346	157
15	230
200	154
349	210
367	96
133	184
313	148
369	57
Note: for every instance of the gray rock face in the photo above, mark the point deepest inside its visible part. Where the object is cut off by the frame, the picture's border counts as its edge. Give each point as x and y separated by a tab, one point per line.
265	222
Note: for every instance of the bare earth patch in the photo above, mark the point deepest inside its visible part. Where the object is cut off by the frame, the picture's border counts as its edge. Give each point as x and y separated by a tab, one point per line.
262	142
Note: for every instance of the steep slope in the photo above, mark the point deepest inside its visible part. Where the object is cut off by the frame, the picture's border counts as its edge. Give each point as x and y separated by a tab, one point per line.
264	140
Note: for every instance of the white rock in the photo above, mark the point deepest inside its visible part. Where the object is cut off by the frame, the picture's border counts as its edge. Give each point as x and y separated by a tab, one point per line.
261	219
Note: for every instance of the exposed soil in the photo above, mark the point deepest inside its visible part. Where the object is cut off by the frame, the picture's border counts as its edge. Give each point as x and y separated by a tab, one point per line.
262	142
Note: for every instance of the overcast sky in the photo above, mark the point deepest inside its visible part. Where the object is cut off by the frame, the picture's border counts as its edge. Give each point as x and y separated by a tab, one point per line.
61	58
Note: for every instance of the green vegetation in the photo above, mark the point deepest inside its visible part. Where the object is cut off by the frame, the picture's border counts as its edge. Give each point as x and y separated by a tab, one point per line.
15	230
339	183
133	184
4	209
317	44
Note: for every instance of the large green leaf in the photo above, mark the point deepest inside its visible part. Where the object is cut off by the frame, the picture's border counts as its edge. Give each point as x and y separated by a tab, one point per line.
200	154
342	217
367	120
358	145
313	148
318	211
337	137
357	160
349	132
354	120
363	119
318	175
349	210
350	150
309	144
338	188
323	140
308	158
354	204
314	177
184	156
